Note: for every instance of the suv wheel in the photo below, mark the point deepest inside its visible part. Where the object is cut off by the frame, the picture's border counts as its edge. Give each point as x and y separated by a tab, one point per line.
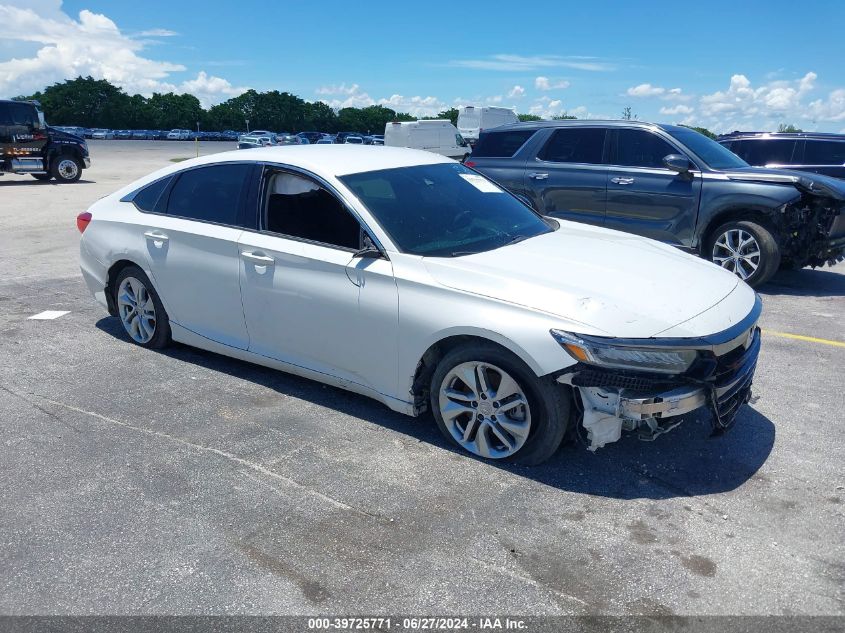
745	248
490	403
66	168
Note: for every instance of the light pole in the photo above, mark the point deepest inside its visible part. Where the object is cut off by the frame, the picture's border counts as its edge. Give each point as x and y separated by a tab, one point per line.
197	139
247	125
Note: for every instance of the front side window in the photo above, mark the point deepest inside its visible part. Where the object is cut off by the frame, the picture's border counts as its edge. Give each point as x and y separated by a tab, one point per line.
762	152
444	210
210	194
640	148
714	155
299	207
824	152
575	145
501	144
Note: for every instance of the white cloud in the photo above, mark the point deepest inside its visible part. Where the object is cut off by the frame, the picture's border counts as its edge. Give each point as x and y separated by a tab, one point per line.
645	90
676	109
507	62
517	92
354	97
90	45
544	83
158	33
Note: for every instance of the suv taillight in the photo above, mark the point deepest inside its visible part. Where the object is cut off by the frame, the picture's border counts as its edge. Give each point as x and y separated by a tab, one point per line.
82	221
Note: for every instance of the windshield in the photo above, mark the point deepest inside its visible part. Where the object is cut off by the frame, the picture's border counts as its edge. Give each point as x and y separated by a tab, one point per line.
715	156
444	210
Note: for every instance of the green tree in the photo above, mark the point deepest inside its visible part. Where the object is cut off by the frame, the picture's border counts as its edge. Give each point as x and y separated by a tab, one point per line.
84	101
451	114
701	130
788	127
529	117
627	114
168	111
563	117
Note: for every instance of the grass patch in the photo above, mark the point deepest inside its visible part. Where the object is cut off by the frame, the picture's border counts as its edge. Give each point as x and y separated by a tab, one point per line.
179	160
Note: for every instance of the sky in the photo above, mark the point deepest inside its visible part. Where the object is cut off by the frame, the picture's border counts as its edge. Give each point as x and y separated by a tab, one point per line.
722	65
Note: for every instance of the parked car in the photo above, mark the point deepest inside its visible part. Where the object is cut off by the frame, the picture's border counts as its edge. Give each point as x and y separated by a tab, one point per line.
29	146
378	139
142	134
473	120
803	151
434	135
326	140
354	140
414	280
312	137
178	135
672	184
258	140
102	134
123	134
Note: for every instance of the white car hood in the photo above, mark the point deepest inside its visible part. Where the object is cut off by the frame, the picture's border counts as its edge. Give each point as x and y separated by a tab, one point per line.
616	283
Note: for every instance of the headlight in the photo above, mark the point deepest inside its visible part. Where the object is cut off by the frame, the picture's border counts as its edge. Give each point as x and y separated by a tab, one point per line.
605	354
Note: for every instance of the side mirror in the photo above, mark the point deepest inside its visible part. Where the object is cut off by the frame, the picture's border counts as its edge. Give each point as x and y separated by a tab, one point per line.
678	163
369	250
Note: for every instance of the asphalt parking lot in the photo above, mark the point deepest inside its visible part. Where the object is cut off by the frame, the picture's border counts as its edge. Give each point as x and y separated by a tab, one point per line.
133	481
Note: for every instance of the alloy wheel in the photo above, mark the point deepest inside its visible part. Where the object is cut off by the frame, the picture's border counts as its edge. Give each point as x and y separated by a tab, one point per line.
485	409
67	169
737	251
136	309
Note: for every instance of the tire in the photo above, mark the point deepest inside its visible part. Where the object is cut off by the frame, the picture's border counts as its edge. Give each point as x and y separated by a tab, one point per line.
66	168
476	421
147	327
728	246
42	177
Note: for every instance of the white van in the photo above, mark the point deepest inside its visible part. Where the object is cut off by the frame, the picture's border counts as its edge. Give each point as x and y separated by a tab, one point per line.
435	135
472	120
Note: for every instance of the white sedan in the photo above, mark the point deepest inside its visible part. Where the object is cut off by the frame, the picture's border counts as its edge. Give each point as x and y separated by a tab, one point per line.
410	278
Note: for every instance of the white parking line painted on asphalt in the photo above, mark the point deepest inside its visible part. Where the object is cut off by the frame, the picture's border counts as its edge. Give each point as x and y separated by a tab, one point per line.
48	314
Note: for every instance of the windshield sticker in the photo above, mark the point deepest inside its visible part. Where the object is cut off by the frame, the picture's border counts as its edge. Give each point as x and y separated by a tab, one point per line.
481	183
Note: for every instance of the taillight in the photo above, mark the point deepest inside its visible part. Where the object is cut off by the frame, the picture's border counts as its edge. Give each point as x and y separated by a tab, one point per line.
469	163
82	221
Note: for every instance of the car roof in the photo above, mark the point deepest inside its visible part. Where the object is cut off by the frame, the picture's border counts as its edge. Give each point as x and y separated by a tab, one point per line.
827	136
541	125
327	160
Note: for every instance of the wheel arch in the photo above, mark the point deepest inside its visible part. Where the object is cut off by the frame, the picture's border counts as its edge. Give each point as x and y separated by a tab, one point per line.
754	213
111	275
427	362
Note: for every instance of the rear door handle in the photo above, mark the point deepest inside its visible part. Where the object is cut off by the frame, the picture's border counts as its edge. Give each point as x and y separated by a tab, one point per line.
257	258
538	176
155	236
622	181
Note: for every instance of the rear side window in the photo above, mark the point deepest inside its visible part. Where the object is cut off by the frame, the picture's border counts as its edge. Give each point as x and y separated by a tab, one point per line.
761	152
638	148
824	153
147	198
575	145
210	194
500	144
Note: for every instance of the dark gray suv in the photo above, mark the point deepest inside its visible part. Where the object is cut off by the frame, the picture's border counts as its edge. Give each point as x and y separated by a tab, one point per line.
672	184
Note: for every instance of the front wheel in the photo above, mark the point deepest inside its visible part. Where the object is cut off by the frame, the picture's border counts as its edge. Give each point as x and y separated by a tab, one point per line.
747	249
66	169
488	402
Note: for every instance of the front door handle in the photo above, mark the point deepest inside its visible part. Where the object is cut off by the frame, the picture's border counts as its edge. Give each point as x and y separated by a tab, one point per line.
538	176
258	259
622	181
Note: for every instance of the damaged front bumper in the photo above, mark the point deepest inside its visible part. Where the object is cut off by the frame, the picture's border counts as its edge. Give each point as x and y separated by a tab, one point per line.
614	401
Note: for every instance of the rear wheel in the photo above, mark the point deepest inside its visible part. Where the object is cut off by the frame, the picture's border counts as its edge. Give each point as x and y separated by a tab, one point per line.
66	168
488	402
140	309
747	249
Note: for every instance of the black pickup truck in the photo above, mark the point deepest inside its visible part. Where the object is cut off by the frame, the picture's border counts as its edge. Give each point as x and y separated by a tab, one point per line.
29	146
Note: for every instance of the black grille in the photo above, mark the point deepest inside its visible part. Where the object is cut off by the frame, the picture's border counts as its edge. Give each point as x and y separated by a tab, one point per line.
732	379
619	380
